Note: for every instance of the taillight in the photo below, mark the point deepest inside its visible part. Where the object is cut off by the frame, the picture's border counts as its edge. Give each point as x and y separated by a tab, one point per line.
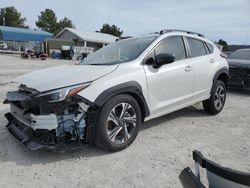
223	55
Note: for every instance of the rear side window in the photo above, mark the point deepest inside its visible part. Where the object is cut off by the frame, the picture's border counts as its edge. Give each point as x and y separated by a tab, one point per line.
210	47
197	47
172	45
207	49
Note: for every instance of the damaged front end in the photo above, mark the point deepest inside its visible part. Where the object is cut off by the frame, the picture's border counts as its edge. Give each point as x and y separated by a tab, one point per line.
58	120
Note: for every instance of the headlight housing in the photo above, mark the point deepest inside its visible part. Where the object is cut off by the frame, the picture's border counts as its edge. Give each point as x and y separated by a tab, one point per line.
61	94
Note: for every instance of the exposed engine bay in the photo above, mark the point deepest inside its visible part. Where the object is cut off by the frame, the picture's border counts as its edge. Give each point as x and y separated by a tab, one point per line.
40	124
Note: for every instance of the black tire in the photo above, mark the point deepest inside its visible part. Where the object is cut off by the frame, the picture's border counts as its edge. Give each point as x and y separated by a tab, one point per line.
104	123
212	105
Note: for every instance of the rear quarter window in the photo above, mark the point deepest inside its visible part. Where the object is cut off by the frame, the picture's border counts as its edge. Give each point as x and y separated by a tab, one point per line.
197	47
210	47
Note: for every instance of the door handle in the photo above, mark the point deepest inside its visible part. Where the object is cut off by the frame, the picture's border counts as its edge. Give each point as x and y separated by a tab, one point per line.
188	68
211	60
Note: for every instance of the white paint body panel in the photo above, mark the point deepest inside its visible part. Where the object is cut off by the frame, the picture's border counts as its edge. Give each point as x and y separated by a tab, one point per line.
63	76
169	86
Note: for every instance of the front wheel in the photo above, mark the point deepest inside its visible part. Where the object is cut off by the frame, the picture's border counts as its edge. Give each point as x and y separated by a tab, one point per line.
217	99
118	123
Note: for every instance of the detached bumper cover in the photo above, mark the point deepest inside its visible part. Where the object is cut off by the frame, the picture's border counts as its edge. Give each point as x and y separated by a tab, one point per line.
189	180
43	141
217	176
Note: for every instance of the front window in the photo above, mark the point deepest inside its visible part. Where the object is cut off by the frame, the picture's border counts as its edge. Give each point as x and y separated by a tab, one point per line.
119	52
241	54
173	45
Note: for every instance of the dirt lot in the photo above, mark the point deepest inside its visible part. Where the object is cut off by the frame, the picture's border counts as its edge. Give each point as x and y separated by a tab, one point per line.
162	149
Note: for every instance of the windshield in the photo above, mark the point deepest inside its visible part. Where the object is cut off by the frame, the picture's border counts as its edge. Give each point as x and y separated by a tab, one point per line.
119	52
241	54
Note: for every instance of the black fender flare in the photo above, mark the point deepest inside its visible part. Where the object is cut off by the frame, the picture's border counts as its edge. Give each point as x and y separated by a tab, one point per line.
132	88
223	70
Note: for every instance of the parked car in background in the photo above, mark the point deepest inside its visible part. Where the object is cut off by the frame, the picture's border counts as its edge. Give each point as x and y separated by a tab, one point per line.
32	54
3	46
105	98
239	69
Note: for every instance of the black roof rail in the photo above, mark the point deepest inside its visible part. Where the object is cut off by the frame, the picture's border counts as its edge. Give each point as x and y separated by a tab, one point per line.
177	30
121	38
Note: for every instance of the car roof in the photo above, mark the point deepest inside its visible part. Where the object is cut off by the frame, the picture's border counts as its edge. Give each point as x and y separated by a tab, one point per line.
169	32
172	32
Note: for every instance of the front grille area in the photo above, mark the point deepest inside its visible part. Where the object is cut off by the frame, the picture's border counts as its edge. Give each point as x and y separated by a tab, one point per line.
24	133
45	137
19	134
17	128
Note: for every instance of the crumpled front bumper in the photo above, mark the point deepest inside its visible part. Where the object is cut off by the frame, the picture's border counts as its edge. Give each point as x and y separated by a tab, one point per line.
26	136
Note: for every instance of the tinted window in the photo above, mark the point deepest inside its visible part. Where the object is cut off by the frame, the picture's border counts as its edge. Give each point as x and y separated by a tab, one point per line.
240	54
173	45
197	47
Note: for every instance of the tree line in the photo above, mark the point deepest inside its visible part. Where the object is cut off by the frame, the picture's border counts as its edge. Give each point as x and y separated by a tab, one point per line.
47	21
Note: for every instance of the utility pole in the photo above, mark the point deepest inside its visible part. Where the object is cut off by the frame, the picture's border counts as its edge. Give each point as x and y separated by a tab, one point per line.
246	39
3	13
3	16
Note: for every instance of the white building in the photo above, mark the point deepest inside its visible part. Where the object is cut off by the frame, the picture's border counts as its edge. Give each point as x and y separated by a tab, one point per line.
94	40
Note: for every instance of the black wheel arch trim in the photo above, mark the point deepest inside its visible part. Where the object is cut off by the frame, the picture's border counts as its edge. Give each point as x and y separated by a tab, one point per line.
223	70
132	88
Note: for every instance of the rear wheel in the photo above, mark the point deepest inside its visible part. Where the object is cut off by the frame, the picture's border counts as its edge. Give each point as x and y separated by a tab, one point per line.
118	123
217	99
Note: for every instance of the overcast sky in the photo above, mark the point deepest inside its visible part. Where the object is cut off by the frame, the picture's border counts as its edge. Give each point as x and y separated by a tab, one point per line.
227	19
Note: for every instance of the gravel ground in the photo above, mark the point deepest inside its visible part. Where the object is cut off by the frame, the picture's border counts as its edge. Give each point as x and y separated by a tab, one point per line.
162	149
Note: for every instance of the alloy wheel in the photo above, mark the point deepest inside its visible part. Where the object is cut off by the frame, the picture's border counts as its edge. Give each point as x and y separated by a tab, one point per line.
121	123
219	98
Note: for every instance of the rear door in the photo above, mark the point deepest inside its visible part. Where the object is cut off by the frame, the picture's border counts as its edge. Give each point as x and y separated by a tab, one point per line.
171	85
203	61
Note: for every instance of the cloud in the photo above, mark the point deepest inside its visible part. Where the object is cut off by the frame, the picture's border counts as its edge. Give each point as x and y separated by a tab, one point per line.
228	19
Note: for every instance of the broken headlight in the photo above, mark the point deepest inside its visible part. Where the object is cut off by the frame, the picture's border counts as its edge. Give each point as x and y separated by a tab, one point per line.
61	94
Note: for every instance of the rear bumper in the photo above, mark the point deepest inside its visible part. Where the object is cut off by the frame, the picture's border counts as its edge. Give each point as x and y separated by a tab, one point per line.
239	77
43	141
239	82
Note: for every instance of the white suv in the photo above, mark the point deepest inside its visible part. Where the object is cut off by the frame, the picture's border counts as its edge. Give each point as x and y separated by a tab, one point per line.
105	98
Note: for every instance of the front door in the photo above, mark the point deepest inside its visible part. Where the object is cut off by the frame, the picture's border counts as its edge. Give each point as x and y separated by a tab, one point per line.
171	85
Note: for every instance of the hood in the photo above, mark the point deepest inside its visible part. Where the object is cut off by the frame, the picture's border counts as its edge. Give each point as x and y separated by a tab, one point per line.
63	76
238	63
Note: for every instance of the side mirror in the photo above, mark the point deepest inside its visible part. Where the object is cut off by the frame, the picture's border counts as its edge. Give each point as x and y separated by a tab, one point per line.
162	59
